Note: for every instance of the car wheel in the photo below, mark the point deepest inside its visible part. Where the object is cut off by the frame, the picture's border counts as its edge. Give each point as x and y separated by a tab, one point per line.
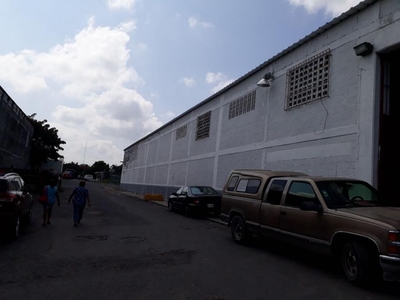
170	208
28	217
239	231
357	263
186	211
14	228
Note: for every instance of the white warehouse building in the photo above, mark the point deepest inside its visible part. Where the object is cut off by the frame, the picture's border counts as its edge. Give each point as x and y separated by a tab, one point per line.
328	109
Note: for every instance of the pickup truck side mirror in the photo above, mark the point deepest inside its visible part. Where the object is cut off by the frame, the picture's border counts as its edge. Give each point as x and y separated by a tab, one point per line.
311	206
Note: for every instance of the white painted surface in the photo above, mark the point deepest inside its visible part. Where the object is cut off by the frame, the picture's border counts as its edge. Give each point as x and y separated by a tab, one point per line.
336	136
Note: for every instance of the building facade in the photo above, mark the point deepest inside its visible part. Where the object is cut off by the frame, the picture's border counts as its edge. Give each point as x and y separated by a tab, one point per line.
15	134
330	109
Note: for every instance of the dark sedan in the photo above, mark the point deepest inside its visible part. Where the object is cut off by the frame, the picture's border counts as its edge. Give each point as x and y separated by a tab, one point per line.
195	199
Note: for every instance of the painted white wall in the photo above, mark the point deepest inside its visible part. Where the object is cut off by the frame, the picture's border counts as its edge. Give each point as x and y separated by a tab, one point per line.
335	136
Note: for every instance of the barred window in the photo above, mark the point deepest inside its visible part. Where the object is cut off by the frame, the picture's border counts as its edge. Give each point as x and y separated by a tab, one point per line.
308	81
203	126
181	132
242	105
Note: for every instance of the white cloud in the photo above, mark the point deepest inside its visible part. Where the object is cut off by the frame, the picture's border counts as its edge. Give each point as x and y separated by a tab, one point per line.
334	8
170	114
142	46
218	78
214	77
194	22
189	82
88	81
121	4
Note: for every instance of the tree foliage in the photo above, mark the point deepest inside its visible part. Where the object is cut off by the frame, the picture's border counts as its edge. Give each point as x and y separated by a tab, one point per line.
45	143
99	166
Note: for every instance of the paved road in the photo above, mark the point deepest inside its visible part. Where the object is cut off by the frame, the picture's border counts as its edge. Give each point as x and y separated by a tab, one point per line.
130	249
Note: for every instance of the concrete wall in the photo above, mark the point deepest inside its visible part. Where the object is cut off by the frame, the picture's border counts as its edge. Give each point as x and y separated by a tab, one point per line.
335	136
15	134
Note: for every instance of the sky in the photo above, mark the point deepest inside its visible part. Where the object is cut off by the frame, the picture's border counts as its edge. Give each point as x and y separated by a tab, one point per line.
106	73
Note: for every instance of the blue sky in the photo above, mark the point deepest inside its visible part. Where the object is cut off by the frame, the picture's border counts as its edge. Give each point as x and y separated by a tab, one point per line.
107	72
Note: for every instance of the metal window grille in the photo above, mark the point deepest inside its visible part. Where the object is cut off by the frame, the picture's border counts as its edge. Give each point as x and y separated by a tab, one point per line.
242	105
181	132
308	81
203	126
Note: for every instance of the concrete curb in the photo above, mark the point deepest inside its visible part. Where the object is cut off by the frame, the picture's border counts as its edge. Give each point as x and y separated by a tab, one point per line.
160	203
216	220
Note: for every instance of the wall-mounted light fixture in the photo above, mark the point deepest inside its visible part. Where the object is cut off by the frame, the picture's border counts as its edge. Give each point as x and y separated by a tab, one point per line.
363	49
266	80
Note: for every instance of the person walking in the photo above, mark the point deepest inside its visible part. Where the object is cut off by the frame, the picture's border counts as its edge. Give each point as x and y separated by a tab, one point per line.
79	195
51	192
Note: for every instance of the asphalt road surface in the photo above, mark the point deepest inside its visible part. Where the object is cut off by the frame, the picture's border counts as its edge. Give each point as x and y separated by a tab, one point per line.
127	248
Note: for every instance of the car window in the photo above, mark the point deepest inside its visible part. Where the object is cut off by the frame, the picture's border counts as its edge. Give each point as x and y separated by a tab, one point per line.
3	186
195	191
184	191
11	186
203	190
342	193
17	184
232	183
275	191
249	186
300	192
360	191
178	192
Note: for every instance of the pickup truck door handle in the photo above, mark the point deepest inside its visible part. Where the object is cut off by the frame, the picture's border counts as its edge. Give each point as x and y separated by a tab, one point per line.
283	213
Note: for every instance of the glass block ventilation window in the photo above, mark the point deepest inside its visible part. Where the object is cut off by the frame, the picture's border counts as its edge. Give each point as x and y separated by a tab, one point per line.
308	81
242	105
181	132
203	126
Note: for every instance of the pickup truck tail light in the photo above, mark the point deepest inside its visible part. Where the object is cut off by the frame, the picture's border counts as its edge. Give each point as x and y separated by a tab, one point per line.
394	243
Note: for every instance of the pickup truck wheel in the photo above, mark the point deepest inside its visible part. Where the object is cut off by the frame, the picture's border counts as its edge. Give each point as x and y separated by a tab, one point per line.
355	259
238	229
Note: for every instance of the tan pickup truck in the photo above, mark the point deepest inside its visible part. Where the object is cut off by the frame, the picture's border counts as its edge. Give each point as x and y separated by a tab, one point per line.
346	218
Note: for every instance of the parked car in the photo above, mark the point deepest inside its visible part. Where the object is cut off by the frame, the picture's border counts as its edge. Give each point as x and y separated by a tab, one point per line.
67	175
88	177
195	199
16	203
346	218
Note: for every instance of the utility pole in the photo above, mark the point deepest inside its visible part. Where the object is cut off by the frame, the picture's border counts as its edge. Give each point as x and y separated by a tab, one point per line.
84	154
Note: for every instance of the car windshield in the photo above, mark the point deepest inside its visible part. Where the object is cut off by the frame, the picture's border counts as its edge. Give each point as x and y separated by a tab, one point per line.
203	190
339	194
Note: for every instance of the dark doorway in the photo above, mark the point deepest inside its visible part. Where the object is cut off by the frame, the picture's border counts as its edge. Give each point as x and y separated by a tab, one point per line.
389	127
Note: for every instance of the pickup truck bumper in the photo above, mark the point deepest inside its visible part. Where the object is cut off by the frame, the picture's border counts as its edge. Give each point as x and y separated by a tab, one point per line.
391	267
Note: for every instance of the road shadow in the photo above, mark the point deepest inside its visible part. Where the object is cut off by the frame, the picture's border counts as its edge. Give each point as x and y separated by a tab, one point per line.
316	261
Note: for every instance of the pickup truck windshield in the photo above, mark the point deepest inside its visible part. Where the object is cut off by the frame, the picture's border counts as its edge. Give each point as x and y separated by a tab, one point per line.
340	194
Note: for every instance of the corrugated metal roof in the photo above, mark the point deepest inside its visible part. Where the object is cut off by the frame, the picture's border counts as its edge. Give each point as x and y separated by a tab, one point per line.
322	29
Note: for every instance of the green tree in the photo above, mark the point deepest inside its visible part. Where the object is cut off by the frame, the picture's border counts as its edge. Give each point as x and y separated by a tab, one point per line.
116	169
72	166
99	166
45	143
